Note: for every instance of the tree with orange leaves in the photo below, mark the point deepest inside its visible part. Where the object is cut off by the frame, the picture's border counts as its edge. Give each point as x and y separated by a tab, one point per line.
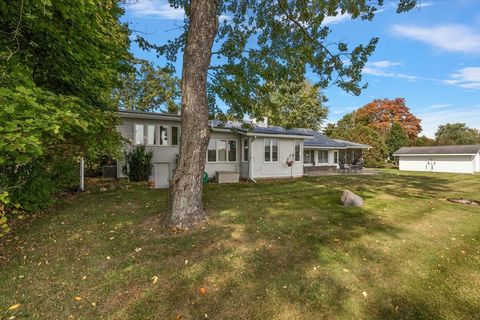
381	114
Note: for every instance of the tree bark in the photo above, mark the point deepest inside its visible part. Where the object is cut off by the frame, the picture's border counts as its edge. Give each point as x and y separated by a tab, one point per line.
185	207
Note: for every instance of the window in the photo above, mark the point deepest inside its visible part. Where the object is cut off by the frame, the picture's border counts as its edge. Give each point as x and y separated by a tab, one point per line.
271	150
245	149
212	151
175	136
297	150
163	135
308	156
335	156
151	139
232	150
139	134
222	151
322	156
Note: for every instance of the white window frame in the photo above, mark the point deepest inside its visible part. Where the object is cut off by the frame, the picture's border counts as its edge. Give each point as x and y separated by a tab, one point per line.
319	157
312	157
243	149
159	132
135	134
299	151
155	138
271	150
171	136
227	148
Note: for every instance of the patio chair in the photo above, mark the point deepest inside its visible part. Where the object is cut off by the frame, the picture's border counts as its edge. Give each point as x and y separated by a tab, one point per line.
357	167
343	168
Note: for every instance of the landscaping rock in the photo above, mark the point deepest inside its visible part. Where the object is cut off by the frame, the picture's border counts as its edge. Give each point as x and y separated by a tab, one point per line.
350	199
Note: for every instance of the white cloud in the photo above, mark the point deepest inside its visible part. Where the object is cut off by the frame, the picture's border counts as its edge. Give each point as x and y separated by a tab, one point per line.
382	69
384	64
440	106
158	9
336	19
457	38
468	78
422	4
432	119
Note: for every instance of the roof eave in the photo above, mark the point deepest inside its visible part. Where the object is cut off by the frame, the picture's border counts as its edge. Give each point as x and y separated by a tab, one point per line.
275	135
152	116
433	154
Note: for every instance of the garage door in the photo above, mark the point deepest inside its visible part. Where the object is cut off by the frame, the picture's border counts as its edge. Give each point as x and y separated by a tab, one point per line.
162	175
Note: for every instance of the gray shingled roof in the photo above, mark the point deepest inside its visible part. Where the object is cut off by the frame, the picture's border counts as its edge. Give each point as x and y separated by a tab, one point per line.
322	141
257	129
350	144
461	149
319	139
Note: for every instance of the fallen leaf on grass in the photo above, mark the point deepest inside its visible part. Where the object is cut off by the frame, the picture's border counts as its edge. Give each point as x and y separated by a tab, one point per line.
345	270
15	306
78	298
155	279
138	249
364	293
202	291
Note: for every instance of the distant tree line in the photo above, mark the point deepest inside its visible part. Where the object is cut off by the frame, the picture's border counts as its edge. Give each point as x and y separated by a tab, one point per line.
451	134
386	125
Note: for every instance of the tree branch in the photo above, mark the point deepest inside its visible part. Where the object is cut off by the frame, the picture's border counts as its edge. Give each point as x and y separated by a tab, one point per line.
288	13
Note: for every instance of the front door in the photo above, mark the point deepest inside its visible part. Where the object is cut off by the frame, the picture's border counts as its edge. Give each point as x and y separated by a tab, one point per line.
162	175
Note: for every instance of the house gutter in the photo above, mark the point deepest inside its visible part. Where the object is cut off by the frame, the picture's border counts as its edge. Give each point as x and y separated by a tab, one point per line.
288	136
433	154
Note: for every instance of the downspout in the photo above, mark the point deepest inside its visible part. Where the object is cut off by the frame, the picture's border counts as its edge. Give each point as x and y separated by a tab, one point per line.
250	163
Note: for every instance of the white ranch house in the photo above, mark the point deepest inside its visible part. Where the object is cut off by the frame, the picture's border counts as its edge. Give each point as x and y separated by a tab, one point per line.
455	159
256	153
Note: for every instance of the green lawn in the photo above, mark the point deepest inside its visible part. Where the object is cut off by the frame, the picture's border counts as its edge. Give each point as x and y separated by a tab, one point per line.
280	249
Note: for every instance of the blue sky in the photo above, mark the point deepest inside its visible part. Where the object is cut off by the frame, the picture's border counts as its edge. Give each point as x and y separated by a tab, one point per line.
430	56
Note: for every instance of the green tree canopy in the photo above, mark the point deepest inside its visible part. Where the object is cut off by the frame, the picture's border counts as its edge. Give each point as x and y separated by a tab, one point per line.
148	88
396	138
374	157
278	41
59	63
292	105
424	141
456	133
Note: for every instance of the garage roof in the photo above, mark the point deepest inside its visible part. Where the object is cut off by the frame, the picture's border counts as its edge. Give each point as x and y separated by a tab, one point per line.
439	150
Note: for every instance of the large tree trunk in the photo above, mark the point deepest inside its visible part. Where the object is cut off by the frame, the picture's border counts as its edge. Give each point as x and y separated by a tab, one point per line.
185	203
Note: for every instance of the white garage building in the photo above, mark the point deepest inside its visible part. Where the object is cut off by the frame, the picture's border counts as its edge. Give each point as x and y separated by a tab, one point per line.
456	159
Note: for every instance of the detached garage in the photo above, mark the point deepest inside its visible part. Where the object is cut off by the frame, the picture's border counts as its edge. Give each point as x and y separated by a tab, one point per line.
455	159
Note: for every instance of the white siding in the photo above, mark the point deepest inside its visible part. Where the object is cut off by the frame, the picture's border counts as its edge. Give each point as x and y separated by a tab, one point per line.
262	169
439	163
161	154
212	167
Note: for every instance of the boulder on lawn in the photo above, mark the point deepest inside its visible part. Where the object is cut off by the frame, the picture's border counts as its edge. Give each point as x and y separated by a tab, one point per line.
350	199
